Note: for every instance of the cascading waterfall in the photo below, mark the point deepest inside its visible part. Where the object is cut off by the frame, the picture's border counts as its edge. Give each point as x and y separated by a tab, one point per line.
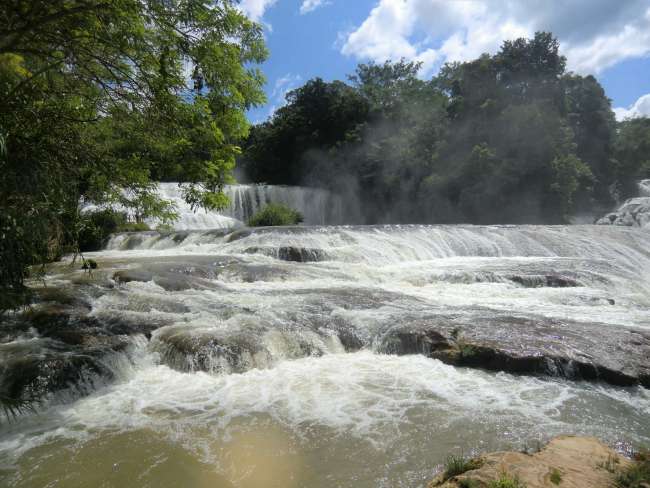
635	212
313	356
644	188
318	206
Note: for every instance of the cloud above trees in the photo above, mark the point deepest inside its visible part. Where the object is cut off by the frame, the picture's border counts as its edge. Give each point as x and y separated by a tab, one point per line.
595	34
640	108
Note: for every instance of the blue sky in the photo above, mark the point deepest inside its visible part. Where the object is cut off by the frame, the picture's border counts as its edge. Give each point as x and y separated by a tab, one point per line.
328	38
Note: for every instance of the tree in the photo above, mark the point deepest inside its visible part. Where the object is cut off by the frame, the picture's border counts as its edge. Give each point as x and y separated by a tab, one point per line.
95	99
632	152
589	114
505	138
316	117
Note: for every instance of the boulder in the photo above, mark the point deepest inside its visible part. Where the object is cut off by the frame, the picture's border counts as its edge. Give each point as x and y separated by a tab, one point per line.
566	461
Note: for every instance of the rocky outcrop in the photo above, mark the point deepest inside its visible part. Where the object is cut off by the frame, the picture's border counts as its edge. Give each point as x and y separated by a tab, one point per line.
577	351
68	348
290	253
567	461
633	213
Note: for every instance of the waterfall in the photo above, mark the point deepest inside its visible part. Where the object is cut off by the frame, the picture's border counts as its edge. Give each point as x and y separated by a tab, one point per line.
644	188
635	212
318	206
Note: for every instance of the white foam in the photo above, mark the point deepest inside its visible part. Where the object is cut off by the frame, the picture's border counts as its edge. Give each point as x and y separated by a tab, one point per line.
362	394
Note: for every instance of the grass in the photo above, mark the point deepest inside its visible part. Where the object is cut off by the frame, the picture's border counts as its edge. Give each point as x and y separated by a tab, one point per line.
506	481
611	465
455	465
637	475
556	476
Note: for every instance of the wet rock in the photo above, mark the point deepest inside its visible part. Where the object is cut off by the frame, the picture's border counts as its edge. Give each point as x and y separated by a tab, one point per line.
234	350
290	253
576	462
238	234
577	351
635	212
64	296
537	281
214	351
417	341
57	345
129	275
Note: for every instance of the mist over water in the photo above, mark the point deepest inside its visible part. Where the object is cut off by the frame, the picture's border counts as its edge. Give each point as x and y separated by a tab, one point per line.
264	357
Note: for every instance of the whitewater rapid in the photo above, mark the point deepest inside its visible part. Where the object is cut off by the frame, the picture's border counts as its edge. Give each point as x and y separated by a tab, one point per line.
263	354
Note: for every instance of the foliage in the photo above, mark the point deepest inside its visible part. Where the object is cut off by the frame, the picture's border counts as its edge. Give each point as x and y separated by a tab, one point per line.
96	227
316	118
507	138
95	103
556	476
637	475
506	481
455	465
12	407
275	214
632	154
611	464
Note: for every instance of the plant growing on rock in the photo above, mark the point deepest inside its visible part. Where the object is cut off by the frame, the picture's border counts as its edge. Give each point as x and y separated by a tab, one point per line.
637	475
275	214
556	476
458	464
506	481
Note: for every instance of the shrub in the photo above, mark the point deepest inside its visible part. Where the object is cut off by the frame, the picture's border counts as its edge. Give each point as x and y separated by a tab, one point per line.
133	227
95	227
275	214
506	481
556	476
455	465
637	475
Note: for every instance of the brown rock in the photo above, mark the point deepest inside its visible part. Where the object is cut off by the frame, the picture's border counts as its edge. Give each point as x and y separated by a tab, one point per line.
581	462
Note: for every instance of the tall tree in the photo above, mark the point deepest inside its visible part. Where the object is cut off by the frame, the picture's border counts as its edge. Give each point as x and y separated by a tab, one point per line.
96	97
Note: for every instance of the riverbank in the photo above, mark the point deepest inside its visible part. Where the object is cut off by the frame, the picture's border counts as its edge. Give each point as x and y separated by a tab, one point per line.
566	461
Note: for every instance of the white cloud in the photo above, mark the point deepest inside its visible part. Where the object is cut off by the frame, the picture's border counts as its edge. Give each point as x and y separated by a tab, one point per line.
595	34
282	86
255	9
310	5
640	108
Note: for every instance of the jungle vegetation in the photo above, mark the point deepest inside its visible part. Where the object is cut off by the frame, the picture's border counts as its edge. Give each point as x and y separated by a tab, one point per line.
506	138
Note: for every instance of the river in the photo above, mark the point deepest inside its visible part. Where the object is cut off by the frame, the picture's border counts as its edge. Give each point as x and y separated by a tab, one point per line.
281	357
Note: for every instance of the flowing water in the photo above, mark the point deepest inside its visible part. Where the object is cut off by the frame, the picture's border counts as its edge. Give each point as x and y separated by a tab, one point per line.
264	361
635	212
317	206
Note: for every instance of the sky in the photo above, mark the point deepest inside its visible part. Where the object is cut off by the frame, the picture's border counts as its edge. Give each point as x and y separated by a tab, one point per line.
328	38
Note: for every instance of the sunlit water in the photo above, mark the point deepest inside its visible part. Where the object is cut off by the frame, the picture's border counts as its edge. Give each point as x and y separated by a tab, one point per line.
296	409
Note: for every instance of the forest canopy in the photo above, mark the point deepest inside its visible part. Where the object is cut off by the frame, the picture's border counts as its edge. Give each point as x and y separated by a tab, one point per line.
506	138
